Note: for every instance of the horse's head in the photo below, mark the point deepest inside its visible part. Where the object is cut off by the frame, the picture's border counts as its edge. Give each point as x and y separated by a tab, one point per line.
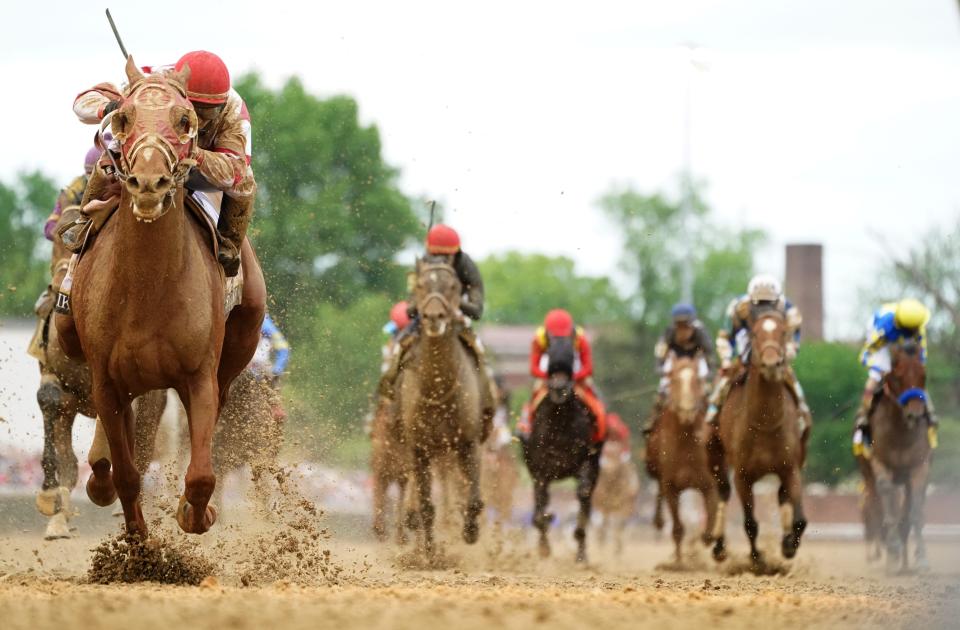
769	345
560	360
906	382
686	390
437	293
155	126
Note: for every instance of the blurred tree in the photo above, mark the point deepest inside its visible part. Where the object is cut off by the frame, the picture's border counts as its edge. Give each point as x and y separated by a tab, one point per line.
24	253
330	221
521	288
832	381
330	218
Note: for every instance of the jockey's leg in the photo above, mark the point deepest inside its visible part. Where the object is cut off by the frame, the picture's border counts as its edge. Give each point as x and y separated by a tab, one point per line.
235	215
797	390
718	396
879	364
488	402
658	403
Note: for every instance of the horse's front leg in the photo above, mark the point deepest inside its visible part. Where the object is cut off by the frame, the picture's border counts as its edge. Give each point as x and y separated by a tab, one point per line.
421	474
721	476
745	492
470	468
711	500
918	494
541	518
888	501
116	419
586	482
49	397
672	495
792	519
201	397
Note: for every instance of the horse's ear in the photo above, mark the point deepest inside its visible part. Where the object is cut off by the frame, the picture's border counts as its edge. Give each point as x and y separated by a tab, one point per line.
181	76
133	72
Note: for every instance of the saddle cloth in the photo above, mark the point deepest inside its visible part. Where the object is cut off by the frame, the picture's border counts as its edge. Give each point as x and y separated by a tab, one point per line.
203	210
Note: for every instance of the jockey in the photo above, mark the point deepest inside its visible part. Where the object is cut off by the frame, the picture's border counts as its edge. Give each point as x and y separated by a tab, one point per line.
891	324
558	323
399	320
444	242
72	195
273	352
223	148
763	295
685	337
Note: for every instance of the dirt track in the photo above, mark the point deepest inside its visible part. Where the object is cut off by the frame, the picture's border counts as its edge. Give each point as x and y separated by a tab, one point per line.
42	585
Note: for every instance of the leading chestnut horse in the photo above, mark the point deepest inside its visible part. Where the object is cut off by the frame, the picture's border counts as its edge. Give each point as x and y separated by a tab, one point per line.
759	432
148	301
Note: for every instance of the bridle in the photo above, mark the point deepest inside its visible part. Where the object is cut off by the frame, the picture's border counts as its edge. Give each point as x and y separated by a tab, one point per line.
435	296
758	349
177	164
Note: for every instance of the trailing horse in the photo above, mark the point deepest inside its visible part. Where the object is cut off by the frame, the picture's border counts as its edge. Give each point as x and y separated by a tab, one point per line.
760	431
900	459
390	463
440	399
676	449
148	301
618	487
561	445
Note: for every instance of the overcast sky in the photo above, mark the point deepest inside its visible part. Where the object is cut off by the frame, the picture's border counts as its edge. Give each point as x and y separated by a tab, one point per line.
815	120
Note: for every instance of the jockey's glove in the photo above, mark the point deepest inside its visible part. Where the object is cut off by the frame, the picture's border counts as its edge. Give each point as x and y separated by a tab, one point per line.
470	310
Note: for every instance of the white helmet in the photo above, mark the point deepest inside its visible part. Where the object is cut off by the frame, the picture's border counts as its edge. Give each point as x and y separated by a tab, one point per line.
764	288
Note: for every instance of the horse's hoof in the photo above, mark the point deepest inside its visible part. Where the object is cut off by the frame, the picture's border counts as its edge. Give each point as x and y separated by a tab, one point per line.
658	522
756	559
581	556
471	532
57	527
706	538
380	533
922	565
789	546
719	550
100	489
185	517
48	501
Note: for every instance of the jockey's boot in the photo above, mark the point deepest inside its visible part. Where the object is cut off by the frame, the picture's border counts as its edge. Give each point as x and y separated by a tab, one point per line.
388	380
488	399
658	405
717	397
232	226
861	427
933	424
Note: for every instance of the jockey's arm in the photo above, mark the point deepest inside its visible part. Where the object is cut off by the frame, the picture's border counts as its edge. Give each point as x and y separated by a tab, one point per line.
469	275
794	320
586	360
90	104
922	339
536	353
706	347
226	165
661	349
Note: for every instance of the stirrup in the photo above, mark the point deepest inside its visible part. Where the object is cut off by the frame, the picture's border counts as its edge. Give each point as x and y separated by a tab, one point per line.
229	257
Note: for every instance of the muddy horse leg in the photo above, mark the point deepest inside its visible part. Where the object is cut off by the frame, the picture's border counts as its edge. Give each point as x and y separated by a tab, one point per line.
745	492
718	467
399	513
49	397
792	519
116	418
194	514
658	521
586	482
711	500
425	509
379	505
470	468
918	490
672	495
891	509
100	488
541	518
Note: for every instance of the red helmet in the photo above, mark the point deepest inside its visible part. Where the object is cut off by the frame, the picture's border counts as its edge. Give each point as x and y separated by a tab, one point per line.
559	323
399	316
443	239
209	80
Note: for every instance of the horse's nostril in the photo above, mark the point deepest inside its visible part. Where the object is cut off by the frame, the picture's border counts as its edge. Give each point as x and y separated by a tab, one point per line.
164	182
133	182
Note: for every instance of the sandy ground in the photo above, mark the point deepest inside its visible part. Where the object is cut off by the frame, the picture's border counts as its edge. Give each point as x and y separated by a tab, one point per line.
498	583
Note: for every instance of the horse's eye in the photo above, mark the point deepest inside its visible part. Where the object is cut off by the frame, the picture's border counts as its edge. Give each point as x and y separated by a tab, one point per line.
185	121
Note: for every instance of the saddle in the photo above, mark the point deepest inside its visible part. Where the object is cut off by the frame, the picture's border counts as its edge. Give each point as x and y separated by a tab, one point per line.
91	220
586	397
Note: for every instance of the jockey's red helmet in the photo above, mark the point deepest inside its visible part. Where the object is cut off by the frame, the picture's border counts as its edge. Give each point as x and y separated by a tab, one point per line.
559	323
442	239
209	81
399	316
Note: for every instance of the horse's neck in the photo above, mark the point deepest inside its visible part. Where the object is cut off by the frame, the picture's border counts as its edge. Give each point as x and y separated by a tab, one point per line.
151	252
765	399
